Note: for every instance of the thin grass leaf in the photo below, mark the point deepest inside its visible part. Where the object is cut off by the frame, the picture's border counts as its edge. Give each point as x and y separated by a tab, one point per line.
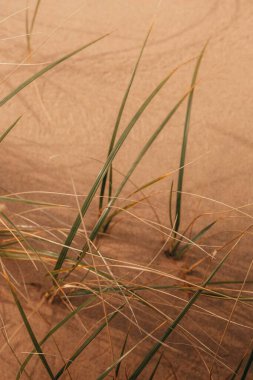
85	344
237	369
27	27
143	187
185	141
52	331
211	293
34	16
179	253
29	202
143	151
104	169
121	354
116	127
156	367
30	332
170	204
150	183
20	234
247	366
178	319
45	70
30	30
5	133
115	213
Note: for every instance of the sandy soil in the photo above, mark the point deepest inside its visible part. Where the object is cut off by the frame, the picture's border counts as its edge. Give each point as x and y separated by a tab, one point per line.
63	136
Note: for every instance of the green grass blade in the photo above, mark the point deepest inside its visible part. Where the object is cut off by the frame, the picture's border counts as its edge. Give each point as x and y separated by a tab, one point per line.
27	28
52	331
143	151
121	354
184	143
34	16
178	319
45	70
178	253
104	169
5	133
145	186
170	204
31	333
237	369
116	127
84	345
134	165
30	30
156	367
247	366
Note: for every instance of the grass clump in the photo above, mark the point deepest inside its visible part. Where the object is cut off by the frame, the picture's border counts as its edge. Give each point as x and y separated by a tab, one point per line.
84	279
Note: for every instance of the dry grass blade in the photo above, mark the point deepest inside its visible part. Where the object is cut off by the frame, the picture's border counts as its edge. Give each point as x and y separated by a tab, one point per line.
53	330
181	251
85	344
178	319
28	201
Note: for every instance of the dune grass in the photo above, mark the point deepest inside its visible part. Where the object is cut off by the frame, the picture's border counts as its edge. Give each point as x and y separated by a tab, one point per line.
29	26
88	277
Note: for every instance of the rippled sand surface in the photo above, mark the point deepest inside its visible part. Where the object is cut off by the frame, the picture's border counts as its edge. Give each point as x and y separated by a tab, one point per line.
69	114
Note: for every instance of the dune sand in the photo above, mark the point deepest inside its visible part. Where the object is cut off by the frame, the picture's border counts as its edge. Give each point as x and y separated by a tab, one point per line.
63	136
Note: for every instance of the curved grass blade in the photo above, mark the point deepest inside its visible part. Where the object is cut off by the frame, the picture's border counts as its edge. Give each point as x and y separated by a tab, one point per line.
116	127
115	213
5	133
30	331
85	344
146	147
29	202
178	319
23	238
45	70
209	292
104	169
185	141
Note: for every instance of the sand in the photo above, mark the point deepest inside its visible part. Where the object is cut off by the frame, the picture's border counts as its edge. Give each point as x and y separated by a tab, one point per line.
63	136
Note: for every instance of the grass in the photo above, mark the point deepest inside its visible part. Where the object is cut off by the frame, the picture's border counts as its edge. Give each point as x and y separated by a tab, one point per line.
159	306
